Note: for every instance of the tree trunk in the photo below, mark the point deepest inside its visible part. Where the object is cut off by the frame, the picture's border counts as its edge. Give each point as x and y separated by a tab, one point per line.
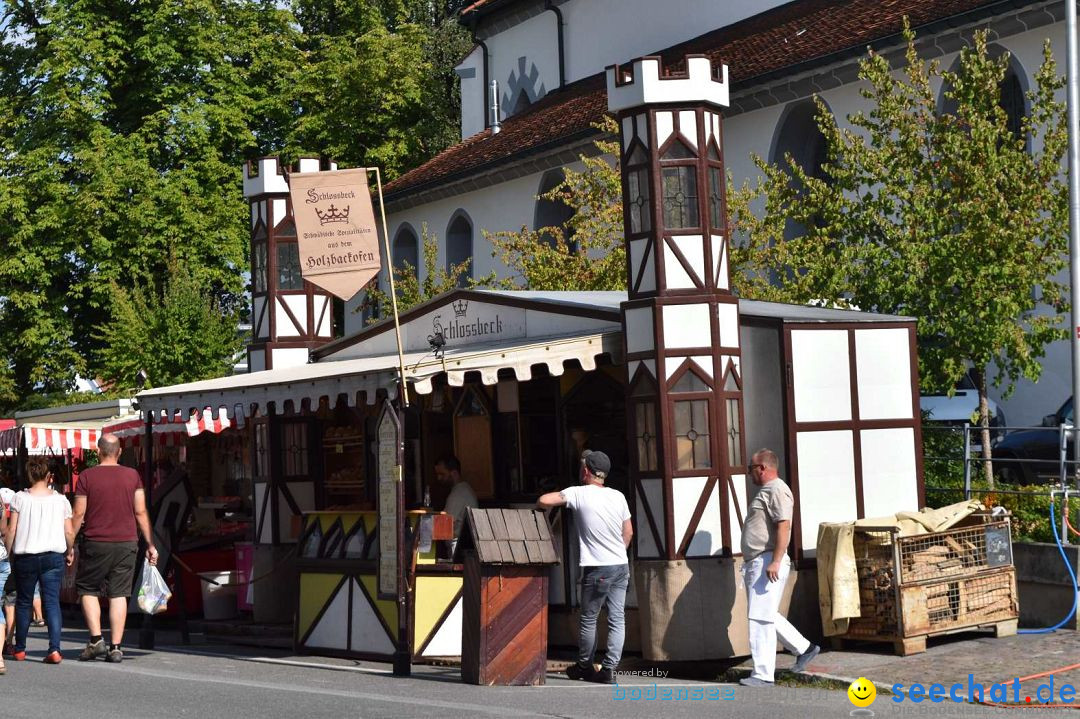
984	425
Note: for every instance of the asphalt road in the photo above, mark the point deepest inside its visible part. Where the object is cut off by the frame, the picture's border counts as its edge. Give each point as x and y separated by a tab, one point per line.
233	682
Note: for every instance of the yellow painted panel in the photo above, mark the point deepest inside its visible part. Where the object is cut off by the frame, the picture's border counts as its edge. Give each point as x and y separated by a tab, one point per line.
387	608
315	592
433	596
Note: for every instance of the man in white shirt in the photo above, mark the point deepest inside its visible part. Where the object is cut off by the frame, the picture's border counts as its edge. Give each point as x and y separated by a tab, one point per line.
604	533
461	497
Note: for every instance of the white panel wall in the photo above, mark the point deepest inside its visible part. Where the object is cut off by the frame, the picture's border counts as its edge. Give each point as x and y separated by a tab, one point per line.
883	362
686	326
822	384
826	482
889	471
737	500
654	493
290	356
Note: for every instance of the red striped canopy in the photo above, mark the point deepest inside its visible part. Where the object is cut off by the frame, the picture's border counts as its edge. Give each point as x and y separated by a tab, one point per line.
167	430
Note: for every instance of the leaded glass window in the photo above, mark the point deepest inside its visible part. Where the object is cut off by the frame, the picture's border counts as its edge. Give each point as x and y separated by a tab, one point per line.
288	259
734	432
637	186
258	267
680	197
645	433
716	198
692	434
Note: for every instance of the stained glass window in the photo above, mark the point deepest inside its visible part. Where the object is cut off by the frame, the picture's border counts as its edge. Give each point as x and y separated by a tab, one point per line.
692	434
645	432
716	198
637	182
288	259
734	433
258	267
680	197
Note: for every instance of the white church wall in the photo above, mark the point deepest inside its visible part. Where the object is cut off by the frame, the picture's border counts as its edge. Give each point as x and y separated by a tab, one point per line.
471	77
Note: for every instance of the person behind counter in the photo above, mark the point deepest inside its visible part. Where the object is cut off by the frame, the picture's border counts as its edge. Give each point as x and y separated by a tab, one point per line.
461	497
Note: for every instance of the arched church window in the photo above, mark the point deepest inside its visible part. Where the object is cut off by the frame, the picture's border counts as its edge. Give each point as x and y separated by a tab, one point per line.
406	248
459	246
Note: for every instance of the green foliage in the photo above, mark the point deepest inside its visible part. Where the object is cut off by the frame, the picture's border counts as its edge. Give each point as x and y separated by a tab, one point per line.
593	257
181	334
411	291
944	216
377	87
124	127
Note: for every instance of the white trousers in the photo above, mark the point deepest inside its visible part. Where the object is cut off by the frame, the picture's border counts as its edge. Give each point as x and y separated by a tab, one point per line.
766	622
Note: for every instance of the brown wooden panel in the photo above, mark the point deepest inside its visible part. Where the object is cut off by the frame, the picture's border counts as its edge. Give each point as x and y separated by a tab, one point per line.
547	552
533	550
517	548
528	525
542	526
514	530
503	592
481	525
518	663
502	630
498	526
471	628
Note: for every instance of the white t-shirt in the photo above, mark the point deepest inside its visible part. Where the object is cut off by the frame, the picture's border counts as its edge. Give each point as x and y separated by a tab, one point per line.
601	512
6	496
460	498
41	523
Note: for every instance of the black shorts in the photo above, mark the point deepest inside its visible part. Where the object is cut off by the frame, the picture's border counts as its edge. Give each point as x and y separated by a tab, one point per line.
106	569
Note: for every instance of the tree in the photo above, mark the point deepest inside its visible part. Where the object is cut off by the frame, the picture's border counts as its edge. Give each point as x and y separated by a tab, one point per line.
378	87
589	253
124	128
180	334
411	290
946	216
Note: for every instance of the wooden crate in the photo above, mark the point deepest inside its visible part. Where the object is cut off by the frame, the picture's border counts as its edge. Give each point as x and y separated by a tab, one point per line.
911	588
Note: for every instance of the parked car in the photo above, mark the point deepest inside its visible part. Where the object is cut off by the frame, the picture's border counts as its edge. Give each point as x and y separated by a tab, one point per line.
1039	449
961	407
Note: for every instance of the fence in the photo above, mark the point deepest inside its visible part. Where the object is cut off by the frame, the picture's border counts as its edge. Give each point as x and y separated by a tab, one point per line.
955	467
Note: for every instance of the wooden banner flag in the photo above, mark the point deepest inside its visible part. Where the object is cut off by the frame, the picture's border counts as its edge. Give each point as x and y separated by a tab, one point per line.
335	229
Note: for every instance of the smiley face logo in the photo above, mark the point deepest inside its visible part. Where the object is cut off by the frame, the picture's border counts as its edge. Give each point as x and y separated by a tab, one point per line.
862	692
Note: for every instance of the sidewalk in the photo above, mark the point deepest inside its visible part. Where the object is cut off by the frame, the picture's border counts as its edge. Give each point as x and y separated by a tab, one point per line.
951	659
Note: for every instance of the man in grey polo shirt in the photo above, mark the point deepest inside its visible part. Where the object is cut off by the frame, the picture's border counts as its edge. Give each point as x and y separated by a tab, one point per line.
766	533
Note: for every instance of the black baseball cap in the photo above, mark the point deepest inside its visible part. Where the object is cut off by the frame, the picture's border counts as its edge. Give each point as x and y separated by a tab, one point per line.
597	462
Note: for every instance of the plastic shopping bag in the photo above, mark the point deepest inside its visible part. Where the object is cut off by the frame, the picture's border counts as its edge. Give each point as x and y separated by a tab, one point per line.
154	593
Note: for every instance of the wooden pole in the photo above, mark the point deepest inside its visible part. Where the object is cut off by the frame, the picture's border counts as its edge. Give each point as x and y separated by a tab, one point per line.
393	294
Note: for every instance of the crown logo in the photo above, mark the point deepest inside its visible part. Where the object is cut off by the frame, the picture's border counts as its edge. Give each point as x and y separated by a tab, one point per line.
460	308
332	214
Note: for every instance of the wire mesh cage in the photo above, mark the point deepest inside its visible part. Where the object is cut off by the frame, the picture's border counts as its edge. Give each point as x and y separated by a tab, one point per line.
926	584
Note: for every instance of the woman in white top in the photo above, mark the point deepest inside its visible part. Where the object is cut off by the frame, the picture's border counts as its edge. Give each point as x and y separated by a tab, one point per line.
40	537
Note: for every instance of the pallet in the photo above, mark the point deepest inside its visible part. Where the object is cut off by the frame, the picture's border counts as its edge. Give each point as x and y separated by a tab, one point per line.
906	646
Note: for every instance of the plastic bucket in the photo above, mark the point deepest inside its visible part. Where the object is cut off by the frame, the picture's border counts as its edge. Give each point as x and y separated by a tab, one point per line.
219	600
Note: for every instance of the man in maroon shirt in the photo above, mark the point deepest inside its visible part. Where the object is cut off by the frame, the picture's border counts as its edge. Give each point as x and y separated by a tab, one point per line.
109	506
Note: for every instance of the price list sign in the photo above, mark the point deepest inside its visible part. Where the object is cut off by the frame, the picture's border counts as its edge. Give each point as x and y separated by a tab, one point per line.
389	453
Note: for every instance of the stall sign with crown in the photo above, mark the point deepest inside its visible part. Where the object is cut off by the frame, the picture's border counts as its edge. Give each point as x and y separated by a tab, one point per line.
335	228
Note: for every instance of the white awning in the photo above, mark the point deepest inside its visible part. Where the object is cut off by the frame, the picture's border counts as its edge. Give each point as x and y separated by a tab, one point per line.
238	394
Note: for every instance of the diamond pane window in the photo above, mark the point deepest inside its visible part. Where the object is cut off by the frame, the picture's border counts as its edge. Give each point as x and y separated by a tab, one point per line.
692	434
680	197
645	433
637	186
258	267
288	260
734	432
716	198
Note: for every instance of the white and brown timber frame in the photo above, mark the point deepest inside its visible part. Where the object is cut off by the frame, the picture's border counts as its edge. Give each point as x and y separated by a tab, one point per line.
681	321
289	315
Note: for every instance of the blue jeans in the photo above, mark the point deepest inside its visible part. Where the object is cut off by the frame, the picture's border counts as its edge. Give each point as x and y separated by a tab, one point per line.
5	571
600	586
47	568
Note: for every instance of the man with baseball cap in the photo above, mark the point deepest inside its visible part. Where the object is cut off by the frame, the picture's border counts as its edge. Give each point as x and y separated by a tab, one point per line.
604	532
